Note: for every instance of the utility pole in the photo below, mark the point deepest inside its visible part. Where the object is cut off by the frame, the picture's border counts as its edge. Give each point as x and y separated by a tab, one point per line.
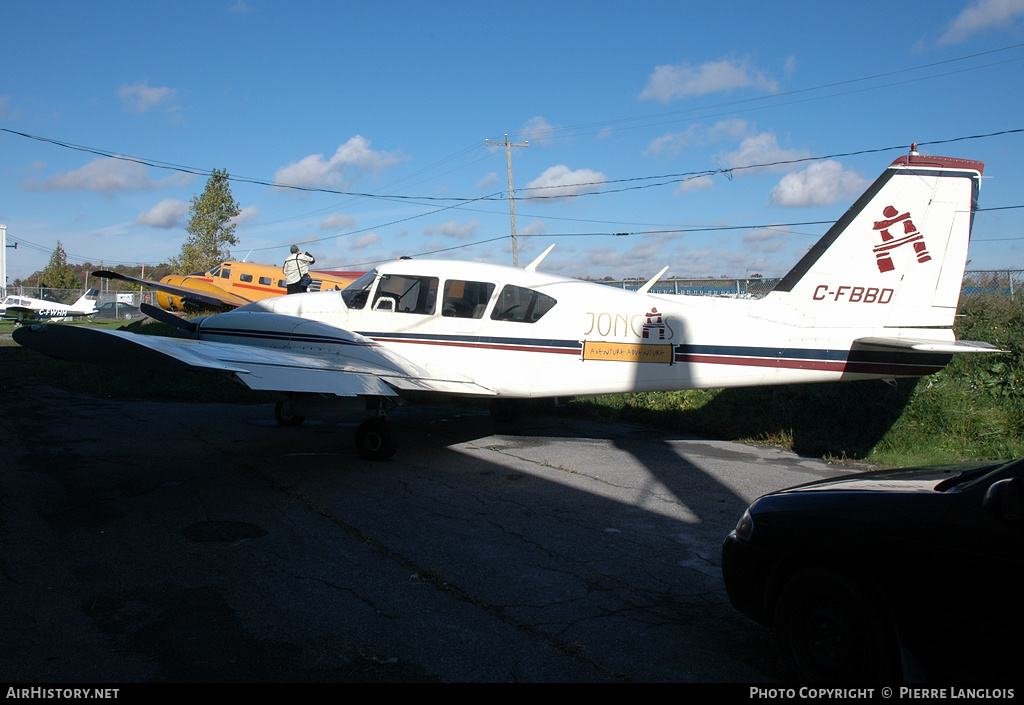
511	192
3	259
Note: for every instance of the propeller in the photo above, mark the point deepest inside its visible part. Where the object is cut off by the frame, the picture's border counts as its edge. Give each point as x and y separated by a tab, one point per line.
188	327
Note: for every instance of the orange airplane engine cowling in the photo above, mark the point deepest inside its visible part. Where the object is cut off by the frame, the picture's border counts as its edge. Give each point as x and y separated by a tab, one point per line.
170	302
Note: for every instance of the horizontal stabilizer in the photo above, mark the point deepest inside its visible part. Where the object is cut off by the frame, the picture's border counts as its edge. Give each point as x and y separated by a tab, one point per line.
926	346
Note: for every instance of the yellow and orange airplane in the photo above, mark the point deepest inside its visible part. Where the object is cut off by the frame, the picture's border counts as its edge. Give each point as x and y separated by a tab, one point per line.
228	285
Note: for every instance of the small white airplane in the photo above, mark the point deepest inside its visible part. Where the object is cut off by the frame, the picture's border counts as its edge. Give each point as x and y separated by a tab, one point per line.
24	308
873	299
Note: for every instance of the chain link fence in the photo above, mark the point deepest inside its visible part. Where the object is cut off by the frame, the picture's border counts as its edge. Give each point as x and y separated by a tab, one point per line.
69	296
1007	282
1003	282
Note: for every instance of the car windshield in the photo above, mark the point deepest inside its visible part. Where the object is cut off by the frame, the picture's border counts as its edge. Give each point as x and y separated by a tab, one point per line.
968	477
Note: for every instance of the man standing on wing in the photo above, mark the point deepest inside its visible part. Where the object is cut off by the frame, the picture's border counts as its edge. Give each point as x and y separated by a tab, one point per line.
296	271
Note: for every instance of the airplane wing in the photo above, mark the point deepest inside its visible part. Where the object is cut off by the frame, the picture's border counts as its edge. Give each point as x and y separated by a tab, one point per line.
360	368
214	299
926	346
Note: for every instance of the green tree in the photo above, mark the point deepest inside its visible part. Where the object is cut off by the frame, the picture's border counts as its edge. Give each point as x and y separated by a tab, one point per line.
210	230
58	273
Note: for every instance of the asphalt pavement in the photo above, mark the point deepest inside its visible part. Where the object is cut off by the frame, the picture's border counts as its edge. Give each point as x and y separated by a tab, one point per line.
166	542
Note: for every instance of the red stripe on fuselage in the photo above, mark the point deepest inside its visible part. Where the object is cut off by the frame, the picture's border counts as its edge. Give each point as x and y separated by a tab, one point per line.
817	365
483	346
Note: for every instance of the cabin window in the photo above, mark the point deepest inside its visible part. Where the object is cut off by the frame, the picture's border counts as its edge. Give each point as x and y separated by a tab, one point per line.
406	294
521	305
225	273
281	284
245	277
266	281
465	299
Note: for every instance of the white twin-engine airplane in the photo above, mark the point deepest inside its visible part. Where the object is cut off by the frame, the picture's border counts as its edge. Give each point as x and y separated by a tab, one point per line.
24	308
873	299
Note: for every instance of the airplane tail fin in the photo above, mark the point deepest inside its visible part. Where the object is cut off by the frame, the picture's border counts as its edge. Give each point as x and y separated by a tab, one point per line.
897	257
84	303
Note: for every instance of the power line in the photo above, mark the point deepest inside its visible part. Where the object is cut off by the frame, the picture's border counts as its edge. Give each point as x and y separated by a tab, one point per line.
460	203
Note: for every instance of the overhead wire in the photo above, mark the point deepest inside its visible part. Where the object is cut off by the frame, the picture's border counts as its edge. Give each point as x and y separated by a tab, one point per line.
600	187
664	179
759	99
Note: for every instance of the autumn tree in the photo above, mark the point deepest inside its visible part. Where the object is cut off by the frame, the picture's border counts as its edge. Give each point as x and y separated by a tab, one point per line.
58	273
210	230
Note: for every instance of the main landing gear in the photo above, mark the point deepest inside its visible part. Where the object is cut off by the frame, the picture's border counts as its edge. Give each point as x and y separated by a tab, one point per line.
284	415
374	440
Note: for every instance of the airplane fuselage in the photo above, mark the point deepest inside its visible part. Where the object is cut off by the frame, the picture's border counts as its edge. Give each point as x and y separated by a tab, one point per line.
527	334
24	308
244	280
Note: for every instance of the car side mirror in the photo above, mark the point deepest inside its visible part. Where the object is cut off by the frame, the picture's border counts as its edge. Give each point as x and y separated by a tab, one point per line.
1002	500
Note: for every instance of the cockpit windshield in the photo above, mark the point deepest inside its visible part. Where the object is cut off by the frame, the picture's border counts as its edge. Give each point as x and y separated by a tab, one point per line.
354	295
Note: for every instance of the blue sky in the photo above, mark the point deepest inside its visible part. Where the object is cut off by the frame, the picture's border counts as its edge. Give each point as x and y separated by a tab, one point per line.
380	113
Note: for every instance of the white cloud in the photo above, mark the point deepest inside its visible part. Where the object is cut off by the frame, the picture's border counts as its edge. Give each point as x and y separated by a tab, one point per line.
459	231
246	215
354	155
820	184
671	143
698	183
762	148
790	66
140	97
364	241
561	182
489	180
166	214
337	221
537	227
674	143
107	175
981	16
670	82
538	130
764	240
733	128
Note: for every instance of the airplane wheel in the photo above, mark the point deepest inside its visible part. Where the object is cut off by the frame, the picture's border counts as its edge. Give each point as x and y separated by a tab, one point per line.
374	441
286	418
